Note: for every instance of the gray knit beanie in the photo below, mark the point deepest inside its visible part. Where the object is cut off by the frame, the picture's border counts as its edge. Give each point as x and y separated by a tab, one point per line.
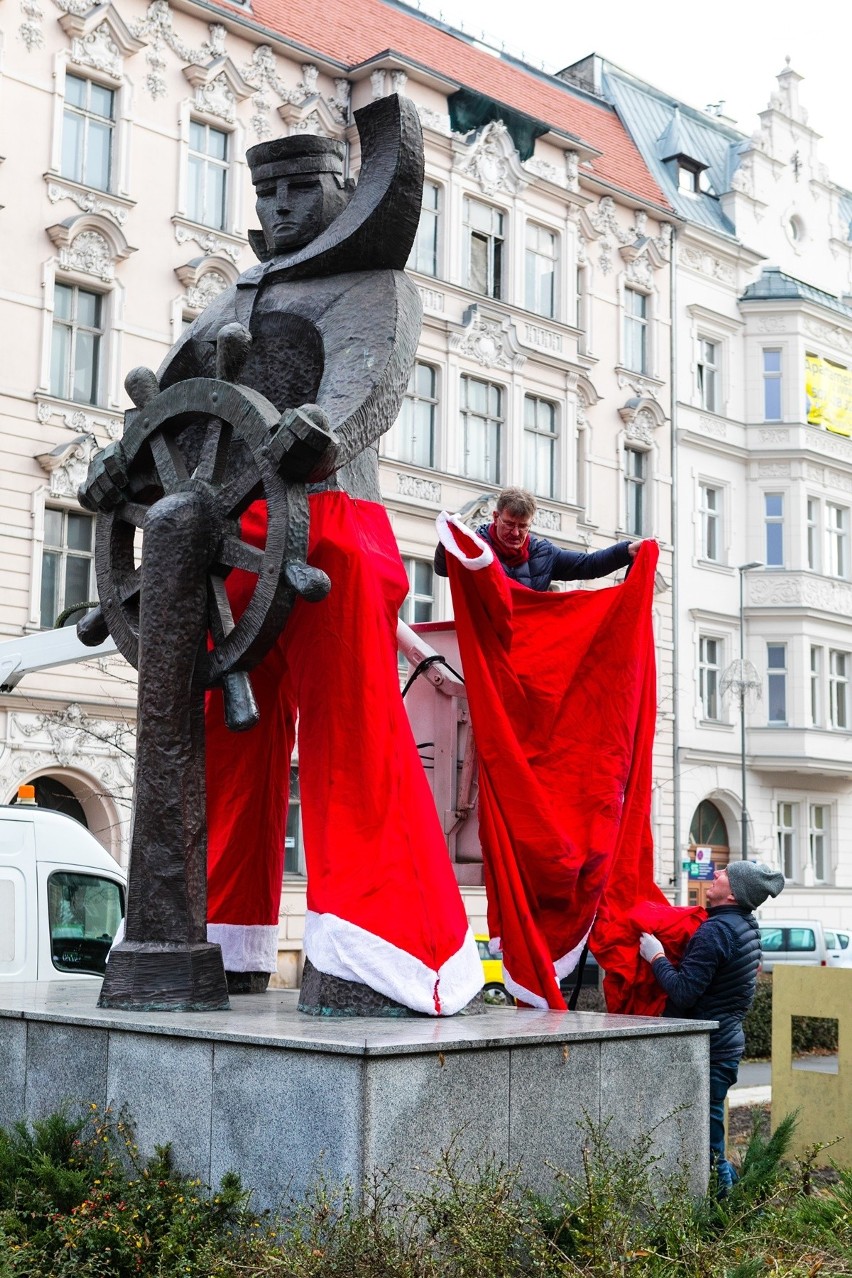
752	882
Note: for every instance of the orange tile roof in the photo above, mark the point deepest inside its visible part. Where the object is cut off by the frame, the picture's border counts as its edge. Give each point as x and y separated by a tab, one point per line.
354	31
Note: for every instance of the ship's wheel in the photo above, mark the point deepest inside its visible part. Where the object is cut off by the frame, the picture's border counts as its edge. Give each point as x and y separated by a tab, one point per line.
226	442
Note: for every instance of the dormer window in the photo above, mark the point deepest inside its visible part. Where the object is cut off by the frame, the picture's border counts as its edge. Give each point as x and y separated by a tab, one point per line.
687	176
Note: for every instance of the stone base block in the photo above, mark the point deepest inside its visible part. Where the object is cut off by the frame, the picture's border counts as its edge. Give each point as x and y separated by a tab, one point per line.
159	977
279	1097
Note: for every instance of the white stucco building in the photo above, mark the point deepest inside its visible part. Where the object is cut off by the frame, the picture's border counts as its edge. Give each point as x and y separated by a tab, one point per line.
543	261
763	390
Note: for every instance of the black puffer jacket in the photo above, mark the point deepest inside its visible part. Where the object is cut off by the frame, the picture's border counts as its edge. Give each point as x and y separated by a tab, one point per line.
548	563
716	978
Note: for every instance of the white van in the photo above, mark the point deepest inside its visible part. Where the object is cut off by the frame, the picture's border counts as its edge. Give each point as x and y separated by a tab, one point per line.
61	896
794	941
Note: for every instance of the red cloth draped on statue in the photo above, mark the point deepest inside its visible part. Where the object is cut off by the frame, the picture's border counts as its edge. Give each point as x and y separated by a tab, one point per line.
383	904
563	704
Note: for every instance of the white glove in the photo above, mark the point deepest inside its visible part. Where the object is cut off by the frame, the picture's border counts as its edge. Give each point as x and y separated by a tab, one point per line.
649	947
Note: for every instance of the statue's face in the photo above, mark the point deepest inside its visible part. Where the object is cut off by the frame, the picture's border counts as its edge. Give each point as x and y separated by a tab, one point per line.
290	210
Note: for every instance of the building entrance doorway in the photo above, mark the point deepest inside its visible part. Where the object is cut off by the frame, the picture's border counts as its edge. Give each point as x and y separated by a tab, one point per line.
707	830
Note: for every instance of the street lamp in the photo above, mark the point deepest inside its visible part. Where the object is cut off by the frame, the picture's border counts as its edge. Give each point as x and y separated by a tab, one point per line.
747	679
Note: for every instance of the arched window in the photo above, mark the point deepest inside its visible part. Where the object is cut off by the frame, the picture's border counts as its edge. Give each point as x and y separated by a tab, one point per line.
708	827
52	794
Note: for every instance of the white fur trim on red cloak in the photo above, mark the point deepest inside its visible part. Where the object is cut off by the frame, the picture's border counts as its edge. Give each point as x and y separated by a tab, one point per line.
246	948
444	523
350	952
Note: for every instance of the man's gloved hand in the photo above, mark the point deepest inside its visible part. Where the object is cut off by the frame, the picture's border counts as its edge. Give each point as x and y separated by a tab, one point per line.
649	947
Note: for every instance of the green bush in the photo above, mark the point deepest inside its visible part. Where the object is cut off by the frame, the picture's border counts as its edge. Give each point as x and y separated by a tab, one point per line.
810	1033
77	1200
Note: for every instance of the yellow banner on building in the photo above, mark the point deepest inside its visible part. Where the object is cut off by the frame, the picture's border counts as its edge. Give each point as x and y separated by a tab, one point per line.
829	392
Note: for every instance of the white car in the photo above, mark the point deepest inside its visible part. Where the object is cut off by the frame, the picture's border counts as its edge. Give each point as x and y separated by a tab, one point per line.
838	946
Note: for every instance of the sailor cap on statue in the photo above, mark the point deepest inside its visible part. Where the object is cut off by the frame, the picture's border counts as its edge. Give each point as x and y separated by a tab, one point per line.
751	882
287	157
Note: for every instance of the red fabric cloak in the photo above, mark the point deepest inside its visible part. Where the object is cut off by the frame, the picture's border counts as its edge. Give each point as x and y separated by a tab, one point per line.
383	904
563	704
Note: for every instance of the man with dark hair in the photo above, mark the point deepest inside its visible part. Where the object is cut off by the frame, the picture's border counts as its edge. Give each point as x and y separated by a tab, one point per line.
716	981
535	561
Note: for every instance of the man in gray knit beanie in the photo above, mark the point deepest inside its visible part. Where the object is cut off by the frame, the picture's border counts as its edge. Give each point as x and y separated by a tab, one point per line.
751	883
716	981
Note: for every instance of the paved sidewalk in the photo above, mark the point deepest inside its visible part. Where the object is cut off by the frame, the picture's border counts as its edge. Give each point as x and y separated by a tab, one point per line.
754	1080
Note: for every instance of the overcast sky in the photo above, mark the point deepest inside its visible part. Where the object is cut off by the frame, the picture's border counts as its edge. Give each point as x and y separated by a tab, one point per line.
729	50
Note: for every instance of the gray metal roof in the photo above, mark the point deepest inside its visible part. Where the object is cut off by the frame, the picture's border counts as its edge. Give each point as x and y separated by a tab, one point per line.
656	122
774	286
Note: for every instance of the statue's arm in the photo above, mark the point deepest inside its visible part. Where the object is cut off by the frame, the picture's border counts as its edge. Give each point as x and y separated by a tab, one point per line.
370	337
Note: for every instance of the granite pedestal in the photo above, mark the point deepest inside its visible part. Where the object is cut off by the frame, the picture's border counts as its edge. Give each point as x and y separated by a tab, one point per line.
276	1095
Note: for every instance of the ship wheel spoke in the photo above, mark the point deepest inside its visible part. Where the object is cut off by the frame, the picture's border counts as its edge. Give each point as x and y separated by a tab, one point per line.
219	613
234	553
171	467
213	458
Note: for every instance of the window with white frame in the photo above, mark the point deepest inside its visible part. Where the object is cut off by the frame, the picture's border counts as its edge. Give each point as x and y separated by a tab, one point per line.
635	330
635	490
837	537
580	312
77	340
484	237
816	686
776	680
813	536
838	689
773	519
294	852
708	374
88	133
412	436
818	841
709	672
710	512
207	185
420	601
785	832
424	251
540	257
540	439
771	385
482	429
581	461
67	563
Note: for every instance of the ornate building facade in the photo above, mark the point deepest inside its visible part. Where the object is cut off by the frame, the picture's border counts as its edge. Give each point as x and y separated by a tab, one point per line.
763	418
543	259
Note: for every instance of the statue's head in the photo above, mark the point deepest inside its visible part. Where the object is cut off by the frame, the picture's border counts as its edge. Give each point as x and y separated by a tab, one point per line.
299	189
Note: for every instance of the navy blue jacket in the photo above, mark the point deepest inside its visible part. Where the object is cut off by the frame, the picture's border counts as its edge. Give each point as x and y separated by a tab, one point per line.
716	978
548	563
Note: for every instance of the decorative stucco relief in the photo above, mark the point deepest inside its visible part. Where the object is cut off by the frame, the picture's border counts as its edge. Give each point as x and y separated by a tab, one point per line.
68	738
802	591
547	520
433	300
437	121
490	158
87	201
67	465
211	245
774	470
157	30
829	334
492	342
713	426
421	489
76	419
706	263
